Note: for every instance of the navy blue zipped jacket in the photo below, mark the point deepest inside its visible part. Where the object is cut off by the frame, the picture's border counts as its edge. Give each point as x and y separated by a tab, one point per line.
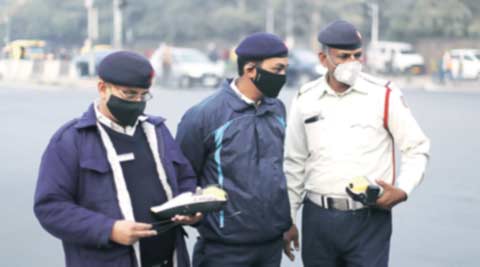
240	147
76	200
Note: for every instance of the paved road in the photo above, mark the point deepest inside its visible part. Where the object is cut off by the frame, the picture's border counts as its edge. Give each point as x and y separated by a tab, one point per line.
438	227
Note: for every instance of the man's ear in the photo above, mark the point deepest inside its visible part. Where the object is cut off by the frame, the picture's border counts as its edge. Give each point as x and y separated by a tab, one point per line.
250	69
322	57
102	89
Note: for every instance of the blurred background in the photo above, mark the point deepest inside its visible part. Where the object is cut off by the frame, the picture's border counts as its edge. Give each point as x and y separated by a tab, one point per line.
50	50
66	39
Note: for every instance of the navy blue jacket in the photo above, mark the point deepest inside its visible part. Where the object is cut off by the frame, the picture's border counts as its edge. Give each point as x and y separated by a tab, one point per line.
76	200
239	147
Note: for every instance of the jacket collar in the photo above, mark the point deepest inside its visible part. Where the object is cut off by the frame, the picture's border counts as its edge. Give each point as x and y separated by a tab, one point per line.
89	119
238	104
241	95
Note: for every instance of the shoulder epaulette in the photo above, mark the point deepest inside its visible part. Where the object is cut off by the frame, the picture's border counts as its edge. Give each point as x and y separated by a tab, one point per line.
58	135
307	87
374	80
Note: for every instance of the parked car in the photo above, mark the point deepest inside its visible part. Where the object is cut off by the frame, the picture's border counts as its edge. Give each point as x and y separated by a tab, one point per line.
187	67
303	66
462	63
95	53
394	57
81	62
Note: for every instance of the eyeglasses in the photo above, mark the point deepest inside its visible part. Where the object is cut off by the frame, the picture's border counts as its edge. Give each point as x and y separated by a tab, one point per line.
134	94
345	56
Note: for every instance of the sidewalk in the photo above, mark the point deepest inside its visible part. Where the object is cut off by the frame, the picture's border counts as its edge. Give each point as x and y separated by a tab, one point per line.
60	84
426	83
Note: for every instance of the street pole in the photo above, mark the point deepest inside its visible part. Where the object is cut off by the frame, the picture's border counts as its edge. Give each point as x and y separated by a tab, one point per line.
290	39
375	22
118	23
91	13
7	30
270	17
315	22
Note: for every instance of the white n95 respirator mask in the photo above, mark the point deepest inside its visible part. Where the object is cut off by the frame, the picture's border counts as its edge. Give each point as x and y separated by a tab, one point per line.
347	73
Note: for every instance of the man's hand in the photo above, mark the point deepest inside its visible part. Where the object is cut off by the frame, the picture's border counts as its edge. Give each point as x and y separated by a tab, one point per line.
288	237
128	232
391	195
185	219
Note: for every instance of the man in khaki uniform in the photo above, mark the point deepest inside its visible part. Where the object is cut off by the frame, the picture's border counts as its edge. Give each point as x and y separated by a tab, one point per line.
341	126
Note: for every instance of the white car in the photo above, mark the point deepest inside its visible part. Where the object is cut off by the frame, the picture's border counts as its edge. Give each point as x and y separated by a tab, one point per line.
394	57
462	63
188	67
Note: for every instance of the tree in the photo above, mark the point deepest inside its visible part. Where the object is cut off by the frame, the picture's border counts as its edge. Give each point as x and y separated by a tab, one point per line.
227	21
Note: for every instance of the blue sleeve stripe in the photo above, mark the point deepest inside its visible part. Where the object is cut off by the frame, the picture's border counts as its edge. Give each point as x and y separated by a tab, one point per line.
218	144
281	120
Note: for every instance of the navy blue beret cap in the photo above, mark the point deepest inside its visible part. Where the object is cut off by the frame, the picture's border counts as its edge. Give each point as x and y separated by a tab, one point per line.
126	68
340	34
261	45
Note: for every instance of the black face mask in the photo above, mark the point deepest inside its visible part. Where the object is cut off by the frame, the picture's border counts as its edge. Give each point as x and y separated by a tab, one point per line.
125	112
269	83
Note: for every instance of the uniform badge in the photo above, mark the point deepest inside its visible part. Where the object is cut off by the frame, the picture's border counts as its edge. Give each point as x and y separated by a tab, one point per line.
359	35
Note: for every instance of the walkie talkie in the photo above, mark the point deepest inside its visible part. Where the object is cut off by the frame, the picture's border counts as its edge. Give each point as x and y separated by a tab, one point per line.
372	194
362	190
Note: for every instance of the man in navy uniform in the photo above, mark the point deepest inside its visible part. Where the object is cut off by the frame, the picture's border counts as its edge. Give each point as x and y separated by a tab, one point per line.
341	127
234	138
101	173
